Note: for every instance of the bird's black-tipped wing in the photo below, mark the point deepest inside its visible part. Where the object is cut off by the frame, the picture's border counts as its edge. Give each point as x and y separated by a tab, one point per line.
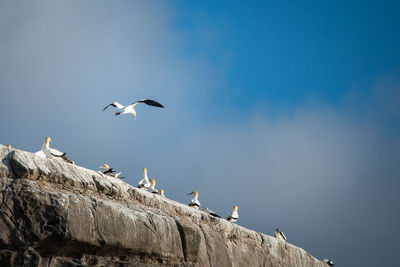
150	103
112	104
109	171
63	157
115	104
214	214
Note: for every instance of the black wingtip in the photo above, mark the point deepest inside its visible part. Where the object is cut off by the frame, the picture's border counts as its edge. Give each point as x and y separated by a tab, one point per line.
151	103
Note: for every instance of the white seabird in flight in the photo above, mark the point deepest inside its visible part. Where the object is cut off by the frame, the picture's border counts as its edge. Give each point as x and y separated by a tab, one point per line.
194	203
130	109
234	216
144	183
210	212
280	235
329	262
48	152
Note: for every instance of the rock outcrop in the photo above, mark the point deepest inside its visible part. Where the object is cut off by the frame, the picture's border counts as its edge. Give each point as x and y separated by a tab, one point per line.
58	214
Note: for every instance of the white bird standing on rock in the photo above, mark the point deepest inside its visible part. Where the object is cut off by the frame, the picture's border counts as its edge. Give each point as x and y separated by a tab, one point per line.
234	216
106	169
48	152
280	235
194	203
144	183
161	192
152	188
110	171
130	109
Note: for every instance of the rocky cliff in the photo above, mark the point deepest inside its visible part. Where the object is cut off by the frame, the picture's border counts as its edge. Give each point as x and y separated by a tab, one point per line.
58	214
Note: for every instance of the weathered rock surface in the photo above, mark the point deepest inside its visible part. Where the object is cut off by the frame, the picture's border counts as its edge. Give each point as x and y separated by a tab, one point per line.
58	214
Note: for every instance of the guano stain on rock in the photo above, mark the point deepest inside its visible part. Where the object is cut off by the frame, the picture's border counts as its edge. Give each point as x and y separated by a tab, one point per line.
58	214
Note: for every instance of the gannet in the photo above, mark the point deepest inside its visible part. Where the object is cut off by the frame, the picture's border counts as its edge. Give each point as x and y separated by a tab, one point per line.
210	212
130	109
107	170
8	146
152	188
161	192
329	262
280	235
144	183
110	171
48	152
117	175
194	203
234	215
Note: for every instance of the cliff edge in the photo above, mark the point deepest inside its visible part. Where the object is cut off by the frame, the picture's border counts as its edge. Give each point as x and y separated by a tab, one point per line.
57	214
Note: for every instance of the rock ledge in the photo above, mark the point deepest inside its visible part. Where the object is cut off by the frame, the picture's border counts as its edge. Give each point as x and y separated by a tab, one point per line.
58	214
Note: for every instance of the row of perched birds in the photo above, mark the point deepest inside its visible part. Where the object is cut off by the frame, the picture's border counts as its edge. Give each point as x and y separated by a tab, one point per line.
146	183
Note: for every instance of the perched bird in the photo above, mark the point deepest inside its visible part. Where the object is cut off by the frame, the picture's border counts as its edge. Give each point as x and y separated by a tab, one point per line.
161	192
152	188
8	146
48	152
110	171
144	183
107	170
329	262
280	235
234	215
117	175
194	203
210	212
130	109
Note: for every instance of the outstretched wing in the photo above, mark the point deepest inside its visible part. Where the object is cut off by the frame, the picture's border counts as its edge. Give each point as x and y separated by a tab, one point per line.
115	104
148	102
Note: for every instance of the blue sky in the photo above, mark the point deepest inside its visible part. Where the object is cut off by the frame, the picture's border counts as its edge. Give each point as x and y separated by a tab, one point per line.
287	109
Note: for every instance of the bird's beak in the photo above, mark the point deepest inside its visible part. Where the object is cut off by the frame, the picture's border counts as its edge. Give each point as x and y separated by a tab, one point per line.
190	193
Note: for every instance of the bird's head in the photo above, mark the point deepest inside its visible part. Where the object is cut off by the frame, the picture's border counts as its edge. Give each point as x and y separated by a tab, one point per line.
152	182
162	191
194	193
144	172
47	140
105	166
235	208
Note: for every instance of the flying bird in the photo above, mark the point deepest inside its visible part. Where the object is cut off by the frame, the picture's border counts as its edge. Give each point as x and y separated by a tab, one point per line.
329	262
280	235
234	216
144	183
210	212
130	109
194	203
48	152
